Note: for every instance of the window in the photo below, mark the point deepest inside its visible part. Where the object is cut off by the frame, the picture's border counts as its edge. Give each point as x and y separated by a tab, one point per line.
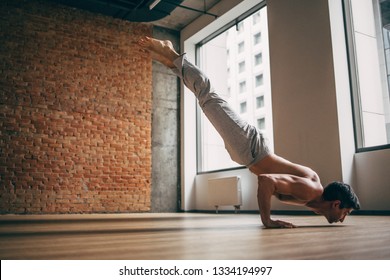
242	87
256	18
261	124
257	38
236	86
241	47
259	80
241	67
258	59
369	45
260	102
243	107
240	27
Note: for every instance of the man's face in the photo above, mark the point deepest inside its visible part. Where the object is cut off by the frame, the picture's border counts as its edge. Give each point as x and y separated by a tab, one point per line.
335	214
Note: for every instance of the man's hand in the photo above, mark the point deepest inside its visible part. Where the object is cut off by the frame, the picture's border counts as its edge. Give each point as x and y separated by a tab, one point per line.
279	224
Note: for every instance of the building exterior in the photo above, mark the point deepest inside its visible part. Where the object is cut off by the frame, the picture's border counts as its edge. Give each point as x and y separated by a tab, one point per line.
237	62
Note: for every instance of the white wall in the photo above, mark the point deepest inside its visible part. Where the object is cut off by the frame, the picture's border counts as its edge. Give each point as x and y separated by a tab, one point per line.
373	178
303	86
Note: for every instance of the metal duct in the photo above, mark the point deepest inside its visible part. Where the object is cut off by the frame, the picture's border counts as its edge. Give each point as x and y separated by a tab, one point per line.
132	10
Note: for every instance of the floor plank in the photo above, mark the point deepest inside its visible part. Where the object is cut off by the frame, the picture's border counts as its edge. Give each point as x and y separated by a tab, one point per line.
190	236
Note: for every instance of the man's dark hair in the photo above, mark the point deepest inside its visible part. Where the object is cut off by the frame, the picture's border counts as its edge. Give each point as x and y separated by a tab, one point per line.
344	193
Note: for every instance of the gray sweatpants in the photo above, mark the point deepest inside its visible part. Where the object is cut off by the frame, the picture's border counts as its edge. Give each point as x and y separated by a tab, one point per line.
244	143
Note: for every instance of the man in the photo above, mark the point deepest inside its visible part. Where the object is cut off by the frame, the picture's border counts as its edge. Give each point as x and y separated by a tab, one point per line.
291	183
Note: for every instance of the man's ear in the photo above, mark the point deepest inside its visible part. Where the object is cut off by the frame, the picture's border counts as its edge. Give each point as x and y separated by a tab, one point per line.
336	204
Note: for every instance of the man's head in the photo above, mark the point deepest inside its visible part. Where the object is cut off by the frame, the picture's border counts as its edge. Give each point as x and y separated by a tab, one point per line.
342	200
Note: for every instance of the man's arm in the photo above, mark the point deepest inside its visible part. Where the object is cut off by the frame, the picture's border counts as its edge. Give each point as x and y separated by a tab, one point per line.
289	189
266	188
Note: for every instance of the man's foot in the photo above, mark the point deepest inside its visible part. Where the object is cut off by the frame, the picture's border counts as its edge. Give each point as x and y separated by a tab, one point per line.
162	51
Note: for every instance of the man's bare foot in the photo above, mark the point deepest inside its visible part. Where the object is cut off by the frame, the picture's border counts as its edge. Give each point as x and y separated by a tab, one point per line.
161	51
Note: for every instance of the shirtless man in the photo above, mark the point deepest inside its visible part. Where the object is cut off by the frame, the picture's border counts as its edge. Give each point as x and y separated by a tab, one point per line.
289	182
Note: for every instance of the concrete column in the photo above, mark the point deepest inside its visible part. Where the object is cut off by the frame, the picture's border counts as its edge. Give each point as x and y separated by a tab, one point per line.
165	133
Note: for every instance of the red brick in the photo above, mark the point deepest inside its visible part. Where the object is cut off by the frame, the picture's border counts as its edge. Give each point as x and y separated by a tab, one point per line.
75	132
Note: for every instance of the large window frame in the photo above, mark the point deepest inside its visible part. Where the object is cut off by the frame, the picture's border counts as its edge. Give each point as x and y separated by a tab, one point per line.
237	22
354	84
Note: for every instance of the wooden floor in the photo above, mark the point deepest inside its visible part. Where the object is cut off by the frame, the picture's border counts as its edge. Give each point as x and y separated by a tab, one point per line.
183	236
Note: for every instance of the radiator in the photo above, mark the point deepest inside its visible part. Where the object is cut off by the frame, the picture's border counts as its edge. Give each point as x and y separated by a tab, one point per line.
225	191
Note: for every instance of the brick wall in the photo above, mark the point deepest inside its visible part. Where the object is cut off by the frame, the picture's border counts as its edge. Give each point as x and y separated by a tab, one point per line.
75	111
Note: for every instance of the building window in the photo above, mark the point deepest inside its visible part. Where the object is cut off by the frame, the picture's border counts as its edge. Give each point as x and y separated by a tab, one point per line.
258	59
241	67
259	80
242	87
257	38
235	86
243	107
261	123
259	102
240	27
241	47
369	49
256	18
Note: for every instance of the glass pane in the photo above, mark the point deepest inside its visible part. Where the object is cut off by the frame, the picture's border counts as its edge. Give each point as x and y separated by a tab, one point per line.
241	76
260	102
370	34
258	59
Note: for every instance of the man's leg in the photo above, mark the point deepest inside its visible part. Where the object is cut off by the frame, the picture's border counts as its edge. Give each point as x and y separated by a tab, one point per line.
244	143
162	51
